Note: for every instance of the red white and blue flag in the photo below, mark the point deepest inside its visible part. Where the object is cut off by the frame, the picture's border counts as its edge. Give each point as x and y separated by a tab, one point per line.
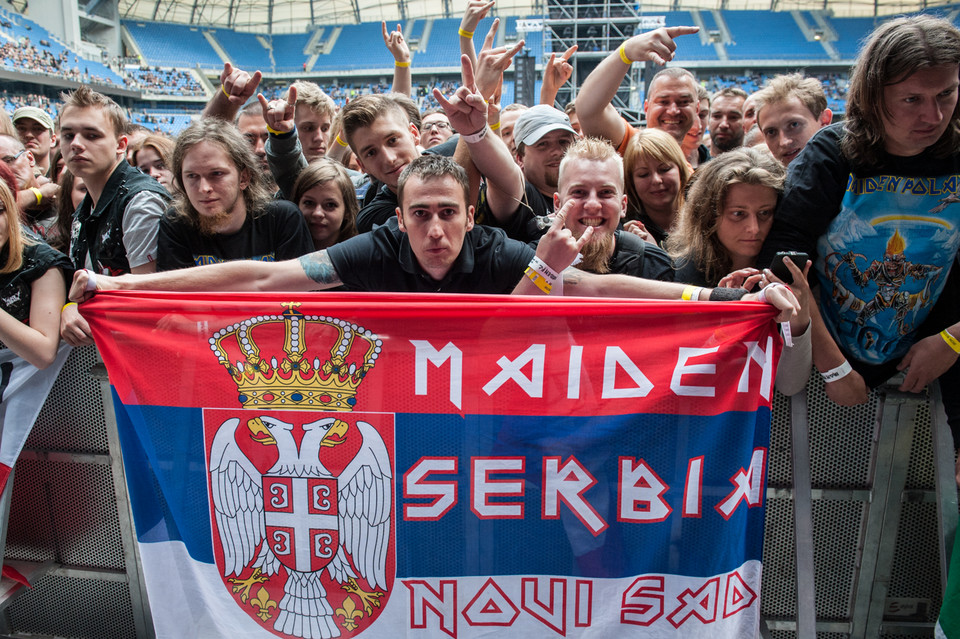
341	465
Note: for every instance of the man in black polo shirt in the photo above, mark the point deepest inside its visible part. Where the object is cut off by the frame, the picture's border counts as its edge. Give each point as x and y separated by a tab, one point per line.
433	247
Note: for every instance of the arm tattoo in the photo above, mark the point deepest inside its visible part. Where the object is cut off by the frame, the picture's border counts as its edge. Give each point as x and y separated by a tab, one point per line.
572	276
319	268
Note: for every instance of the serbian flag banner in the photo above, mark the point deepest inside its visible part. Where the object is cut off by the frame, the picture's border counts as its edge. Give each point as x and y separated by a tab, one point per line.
344	465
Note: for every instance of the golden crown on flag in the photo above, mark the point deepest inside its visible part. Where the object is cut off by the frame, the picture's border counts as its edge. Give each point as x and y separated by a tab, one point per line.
297	381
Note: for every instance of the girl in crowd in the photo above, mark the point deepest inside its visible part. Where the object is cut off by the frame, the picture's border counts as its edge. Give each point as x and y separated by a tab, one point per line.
656	179
722	225
153	159
727	215
325	195
32	289
74	190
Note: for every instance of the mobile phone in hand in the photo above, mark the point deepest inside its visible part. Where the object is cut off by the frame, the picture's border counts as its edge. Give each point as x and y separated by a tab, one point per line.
780	269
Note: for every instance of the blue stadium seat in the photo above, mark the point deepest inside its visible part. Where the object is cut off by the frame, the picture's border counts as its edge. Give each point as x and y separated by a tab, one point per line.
689	47
851	32
244	49
288	51
359	46
751	32
173	45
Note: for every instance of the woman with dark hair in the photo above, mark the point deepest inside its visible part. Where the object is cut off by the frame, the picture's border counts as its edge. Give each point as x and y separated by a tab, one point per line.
325	195
73	191
727	215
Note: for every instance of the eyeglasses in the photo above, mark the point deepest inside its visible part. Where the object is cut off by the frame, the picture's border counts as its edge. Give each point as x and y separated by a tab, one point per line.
437	125
10	159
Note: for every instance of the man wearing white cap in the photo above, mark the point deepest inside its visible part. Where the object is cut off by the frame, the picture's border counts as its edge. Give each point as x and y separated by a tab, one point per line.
513	196
36	197
35	129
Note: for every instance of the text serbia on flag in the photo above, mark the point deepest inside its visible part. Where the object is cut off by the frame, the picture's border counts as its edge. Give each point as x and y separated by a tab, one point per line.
333	465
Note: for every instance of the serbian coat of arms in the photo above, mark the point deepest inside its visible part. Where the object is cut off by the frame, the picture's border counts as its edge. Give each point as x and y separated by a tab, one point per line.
300	486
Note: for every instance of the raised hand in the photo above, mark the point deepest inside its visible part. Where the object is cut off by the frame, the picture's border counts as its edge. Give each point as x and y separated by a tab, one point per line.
475	12
466	109
491	63
657	46
555	73
279	114
558	248
237	84
396	44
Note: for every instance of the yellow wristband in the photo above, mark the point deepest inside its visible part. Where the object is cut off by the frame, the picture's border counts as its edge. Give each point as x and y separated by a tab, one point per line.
691	293
402	65
623	55
62	309
222	88
38	193
951	341
465	34
275	132
539	280
495	126
340	141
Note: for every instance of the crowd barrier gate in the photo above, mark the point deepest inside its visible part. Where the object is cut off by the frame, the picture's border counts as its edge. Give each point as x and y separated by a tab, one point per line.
861	513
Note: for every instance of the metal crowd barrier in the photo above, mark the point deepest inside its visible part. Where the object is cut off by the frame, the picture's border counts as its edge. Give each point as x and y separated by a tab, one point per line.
861	513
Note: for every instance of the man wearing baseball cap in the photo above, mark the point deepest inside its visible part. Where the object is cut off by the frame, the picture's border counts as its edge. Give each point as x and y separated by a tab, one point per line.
515	194
35	129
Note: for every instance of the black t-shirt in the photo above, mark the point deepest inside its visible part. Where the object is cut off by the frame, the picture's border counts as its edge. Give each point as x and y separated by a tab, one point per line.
377	209
883	244
380	209
16	287
522	225
383	261
633	256
278	233
659	235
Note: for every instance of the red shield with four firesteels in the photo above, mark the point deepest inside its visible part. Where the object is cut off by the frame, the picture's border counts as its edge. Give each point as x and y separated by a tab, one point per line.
302	516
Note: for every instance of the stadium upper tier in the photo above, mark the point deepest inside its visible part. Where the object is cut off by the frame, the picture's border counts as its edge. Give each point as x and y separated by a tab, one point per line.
27	46
728	36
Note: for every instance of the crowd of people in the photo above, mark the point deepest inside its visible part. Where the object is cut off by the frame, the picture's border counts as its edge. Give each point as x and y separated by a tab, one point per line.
163	81
23	56
291	191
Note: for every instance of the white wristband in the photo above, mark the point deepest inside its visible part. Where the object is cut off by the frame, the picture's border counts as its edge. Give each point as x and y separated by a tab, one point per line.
784	326
544	277
476	137
839	372
91	281
544	269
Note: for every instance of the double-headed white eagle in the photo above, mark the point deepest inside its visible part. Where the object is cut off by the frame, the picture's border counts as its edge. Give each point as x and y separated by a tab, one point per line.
363	511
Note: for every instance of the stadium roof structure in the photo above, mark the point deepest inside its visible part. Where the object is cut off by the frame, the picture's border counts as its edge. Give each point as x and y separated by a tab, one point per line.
292	16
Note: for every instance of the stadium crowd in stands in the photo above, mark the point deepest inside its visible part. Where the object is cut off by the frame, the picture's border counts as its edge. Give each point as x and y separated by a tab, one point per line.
443	188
